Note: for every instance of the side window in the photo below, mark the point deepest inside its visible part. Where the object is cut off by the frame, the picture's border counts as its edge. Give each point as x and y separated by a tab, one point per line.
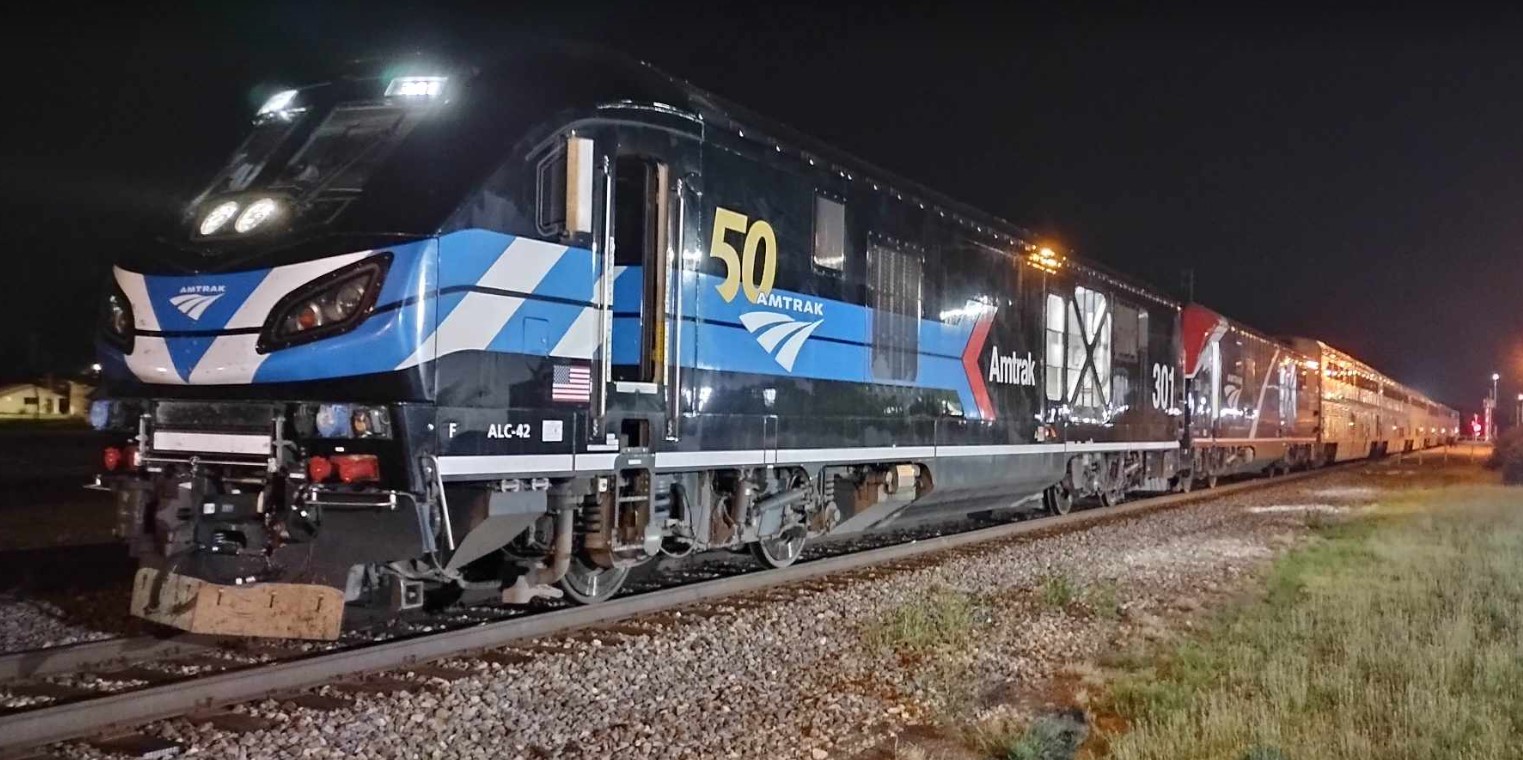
894	294
829	233
1288	385
1056	305
550	193
1089	338
1127	340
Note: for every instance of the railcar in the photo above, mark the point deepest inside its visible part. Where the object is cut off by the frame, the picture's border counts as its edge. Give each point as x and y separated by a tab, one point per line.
439	331
1364	413
1253	400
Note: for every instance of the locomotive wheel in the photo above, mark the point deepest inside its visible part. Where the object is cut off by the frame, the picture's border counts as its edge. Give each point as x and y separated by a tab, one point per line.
590	584
1185	483
1110	497
1058	500
780	552
1211	480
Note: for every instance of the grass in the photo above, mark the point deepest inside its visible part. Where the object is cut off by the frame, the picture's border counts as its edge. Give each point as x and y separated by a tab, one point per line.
1057	590
1398	637
1103	598
942	619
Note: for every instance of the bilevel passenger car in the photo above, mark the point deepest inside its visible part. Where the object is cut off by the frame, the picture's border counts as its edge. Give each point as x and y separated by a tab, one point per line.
1364	413
514	330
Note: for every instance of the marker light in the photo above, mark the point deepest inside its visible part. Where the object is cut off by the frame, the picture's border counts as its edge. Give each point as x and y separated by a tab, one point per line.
111	457
357	468
334	420
319	469
279	104
218	216
100	414
416	87
350	421
253	216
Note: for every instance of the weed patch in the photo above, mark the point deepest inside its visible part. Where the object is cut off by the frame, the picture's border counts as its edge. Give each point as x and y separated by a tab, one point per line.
1057	590
1048	737
1394	637
941	619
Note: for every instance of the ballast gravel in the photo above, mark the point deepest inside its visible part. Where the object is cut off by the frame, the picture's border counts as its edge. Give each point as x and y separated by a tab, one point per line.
34	624
790	675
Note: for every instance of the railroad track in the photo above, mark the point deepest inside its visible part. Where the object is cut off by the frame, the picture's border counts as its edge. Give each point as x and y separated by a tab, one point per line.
203	674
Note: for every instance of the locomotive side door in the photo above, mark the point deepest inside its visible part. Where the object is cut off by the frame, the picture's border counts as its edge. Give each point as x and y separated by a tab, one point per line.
650	175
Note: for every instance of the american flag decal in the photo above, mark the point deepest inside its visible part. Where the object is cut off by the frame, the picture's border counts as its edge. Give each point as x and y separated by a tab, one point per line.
571	383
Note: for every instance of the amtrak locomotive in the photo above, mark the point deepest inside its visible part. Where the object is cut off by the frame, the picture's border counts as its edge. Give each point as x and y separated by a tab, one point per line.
443	332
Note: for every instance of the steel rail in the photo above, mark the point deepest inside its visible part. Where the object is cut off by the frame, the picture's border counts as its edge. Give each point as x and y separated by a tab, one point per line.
72	658
71	720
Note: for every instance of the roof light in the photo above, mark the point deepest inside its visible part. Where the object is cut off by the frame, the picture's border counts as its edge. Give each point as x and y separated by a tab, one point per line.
279	105
416	87
256	214
218	217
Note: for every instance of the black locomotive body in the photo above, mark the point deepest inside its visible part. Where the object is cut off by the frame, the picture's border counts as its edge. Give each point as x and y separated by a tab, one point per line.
516	330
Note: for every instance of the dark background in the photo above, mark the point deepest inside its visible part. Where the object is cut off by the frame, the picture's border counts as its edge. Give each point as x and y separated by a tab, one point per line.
1356	177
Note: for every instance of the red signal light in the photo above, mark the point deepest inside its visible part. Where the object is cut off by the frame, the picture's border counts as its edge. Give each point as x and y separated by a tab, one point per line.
112	457
358	468
319	469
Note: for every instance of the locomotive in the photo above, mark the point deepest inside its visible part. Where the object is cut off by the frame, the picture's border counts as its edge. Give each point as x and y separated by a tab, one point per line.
448	331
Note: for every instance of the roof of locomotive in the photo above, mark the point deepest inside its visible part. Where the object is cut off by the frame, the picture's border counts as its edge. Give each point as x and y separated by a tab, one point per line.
639	80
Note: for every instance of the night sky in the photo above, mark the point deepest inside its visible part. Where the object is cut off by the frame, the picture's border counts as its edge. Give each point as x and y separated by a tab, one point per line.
1353	177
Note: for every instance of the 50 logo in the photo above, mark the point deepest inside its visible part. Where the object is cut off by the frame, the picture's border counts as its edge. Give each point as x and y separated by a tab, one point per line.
740	267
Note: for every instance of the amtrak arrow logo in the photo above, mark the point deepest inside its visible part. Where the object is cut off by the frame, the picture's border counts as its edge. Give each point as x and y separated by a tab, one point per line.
193	305
970	365
781	335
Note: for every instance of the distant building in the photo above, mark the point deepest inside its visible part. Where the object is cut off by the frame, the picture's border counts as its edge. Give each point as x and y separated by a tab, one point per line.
44	400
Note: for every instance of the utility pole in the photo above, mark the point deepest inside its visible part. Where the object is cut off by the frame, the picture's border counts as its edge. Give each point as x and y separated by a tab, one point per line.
1491	409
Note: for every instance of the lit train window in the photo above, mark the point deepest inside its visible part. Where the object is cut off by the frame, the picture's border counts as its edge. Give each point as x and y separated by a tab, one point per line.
1089	337
829	233
1055	309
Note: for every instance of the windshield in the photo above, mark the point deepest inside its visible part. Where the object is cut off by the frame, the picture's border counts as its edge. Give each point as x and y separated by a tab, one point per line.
347	148
251	156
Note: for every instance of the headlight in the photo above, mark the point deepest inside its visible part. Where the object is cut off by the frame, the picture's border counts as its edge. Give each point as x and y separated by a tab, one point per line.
256	214
218	217
329	305
117	319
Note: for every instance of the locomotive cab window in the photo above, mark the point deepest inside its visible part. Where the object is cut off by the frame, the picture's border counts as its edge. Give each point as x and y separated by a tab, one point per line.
550	192
894	295
829	233
347	148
